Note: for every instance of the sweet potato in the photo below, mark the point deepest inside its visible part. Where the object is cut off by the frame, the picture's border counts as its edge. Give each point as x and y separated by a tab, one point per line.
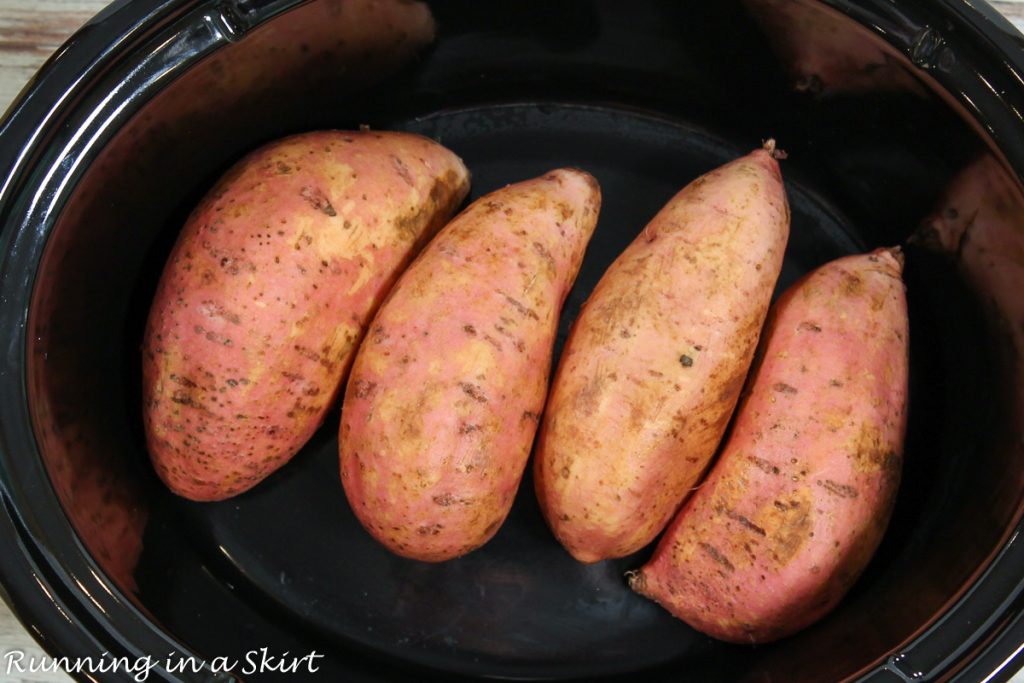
824	55
267	292
979	224
445	394
655	362
802	492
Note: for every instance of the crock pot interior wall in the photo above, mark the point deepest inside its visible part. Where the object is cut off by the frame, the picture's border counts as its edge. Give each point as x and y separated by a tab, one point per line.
882	152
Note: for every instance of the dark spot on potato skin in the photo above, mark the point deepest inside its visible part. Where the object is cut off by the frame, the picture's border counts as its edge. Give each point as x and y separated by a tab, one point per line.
892	463
402	170
467	428
549	260
215	310
743	521
871	453
494	342
788	525
519	306
716	555
588	396
412	224
447	499
473	391
836	489
317	199
784	388
363	388
311	355
730	391
763	465
183	381
852	284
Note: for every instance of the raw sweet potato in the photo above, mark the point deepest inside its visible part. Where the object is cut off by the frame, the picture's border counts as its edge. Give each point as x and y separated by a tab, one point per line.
655	362
445	394
802	492
267	292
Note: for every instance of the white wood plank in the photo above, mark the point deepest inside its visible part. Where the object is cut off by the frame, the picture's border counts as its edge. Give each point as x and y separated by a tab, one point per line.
30	32
14	639
1012	10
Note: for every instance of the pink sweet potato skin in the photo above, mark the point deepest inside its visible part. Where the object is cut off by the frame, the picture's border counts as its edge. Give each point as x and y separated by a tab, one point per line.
800	497
655	362
267	292
446	392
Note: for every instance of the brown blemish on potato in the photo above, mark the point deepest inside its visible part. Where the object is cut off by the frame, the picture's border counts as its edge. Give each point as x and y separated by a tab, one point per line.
494	342
312	355
468	428
784	388
184	398
728	394
852	285
216	310
363	388
402	170
523	310
317	199
871	454
213	336
549	260
183	381
412	224
743	521
678	429
763	465
808	326
474	391
841	490
716	555
588	397
378	335
637	416
787	523
447	499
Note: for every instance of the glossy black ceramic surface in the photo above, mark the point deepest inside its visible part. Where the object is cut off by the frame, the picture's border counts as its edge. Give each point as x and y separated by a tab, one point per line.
902	125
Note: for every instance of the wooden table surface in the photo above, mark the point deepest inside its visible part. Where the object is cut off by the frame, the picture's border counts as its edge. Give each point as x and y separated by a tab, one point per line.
30	31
